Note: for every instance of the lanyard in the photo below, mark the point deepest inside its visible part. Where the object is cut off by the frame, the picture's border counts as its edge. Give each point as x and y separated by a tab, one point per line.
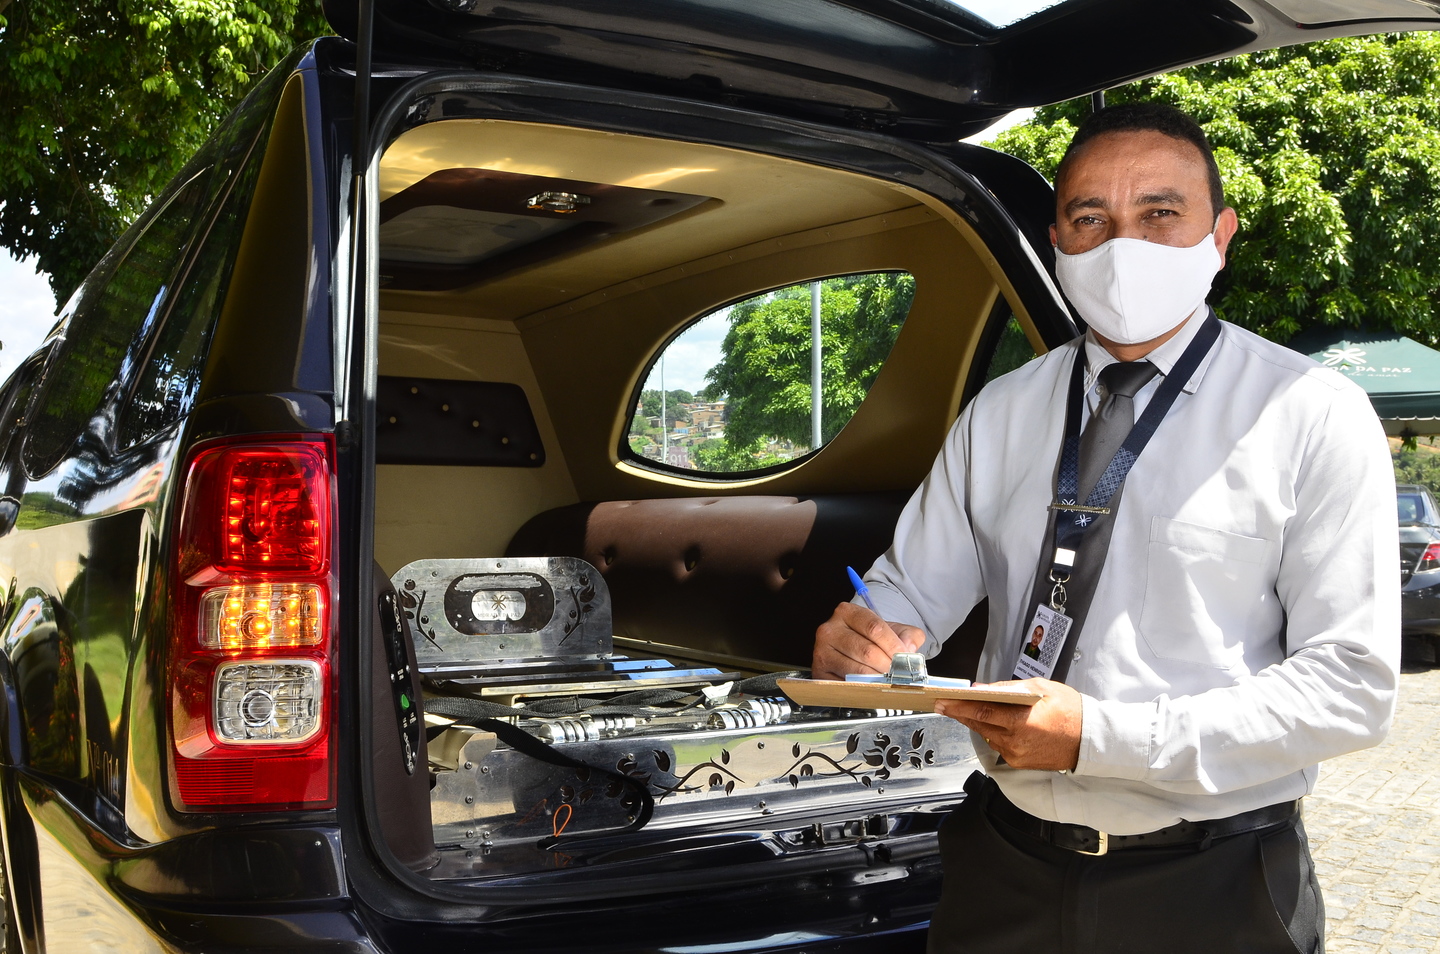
1073	519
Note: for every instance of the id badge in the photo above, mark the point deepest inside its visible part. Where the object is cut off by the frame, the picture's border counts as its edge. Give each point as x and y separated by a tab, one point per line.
1043	640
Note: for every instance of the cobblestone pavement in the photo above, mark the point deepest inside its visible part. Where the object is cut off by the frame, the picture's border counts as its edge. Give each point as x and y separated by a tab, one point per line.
1374	825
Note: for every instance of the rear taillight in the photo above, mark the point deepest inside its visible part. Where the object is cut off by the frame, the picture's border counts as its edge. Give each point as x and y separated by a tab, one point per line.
1430	559
251	654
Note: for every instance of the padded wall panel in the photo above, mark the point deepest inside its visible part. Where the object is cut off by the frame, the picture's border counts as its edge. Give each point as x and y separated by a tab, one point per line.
750	576
445	421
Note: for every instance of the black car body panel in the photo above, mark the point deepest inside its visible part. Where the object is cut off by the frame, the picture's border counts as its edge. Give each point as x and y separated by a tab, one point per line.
920	69
284	344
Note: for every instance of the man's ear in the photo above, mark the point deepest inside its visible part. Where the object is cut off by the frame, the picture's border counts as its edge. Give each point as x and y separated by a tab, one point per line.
1226	225
1055	236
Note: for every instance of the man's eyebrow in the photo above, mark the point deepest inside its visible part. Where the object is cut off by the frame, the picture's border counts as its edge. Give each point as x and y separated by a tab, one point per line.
1076	204
1163	197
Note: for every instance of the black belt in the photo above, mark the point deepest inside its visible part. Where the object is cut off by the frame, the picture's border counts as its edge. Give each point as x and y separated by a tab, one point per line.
1088	841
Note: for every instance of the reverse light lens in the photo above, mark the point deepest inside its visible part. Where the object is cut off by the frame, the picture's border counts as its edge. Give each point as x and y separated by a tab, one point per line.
262	615
276	701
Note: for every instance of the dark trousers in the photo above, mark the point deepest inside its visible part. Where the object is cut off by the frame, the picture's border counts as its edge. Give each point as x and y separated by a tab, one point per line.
1008	892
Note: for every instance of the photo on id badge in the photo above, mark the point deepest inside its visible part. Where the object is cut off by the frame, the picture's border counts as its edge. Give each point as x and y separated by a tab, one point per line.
1043	639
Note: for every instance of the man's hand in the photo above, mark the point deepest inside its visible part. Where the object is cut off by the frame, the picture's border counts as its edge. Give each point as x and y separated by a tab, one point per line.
1043	736
856	640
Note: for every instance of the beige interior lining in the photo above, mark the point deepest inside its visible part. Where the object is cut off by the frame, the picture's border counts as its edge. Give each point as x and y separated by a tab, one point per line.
424	511
577	331
757	197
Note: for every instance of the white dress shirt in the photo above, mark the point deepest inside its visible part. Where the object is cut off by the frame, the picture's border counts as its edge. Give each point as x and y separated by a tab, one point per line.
1246	624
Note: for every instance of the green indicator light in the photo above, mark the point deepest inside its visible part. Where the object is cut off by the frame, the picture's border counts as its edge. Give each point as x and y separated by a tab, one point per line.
404	701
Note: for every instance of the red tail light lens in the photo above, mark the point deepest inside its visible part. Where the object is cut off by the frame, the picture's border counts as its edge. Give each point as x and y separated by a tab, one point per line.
270	517
1430	559
251	697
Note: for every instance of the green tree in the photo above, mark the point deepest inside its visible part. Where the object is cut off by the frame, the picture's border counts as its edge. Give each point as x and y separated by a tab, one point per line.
764	370
1330	154
674	413
102	102
718	456
1417	465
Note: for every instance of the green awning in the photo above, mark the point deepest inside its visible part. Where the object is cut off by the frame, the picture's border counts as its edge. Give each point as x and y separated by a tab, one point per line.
1401	375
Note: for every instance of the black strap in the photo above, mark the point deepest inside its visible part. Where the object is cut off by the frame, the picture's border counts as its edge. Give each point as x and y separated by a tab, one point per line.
1088	534
484	714
1068	532
522	741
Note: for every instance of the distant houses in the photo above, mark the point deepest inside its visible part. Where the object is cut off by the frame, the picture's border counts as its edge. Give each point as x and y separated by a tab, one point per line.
706	423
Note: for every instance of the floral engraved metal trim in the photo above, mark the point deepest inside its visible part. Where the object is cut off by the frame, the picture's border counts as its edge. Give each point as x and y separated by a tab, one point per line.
879	759
414	604
582	598
727	770
721	775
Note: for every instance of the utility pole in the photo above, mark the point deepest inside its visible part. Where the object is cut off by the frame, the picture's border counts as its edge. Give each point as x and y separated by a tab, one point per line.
664	424
815	395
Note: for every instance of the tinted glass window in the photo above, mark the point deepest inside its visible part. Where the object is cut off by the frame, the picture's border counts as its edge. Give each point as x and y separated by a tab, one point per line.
108	331
733	392
111	320
1011	351
1410	507
165	390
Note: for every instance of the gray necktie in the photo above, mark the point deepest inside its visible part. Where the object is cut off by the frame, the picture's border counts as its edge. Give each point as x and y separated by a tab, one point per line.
1112	420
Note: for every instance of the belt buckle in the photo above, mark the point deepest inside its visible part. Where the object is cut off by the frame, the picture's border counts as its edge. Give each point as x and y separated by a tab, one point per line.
1102	850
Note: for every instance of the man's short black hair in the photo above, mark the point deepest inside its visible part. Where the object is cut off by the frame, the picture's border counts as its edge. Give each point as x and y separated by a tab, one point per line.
1156	117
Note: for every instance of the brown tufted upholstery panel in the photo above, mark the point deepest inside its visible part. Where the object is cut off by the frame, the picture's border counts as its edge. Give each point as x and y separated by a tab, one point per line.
749	576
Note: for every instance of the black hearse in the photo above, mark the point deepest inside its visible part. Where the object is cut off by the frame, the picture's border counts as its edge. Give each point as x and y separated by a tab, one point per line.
351	603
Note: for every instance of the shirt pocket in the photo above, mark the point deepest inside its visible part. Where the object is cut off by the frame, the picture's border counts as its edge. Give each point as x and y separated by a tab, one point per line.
1204	592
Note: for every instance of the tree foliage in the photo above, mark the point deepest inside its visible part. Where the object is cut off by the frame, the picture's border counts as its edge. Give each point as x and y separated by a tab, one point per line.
102	101
1330	154
674	413
1417	464
764	370
718	456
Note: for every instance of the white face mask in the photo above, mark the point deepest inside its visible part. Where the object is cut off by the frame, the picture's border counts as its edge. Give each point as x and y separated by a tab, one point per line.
1130	290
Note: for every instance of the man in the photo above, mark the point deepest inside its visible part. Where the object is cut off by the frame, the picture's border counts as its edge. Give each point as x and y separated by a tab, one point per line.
1032	648
1227	574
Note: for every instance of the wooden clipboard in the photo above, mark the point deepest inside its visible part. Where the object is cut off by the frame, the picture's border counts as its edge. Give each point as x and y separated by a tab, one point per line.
888	695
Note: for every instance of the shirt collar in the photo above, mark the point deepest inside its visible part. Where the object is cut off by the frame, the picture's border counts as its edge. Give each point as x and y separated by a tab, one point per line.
1163	357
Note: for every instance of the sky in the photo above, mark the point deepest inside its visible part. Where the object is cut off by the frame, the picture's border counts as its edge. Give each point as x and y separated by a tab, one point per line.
27	311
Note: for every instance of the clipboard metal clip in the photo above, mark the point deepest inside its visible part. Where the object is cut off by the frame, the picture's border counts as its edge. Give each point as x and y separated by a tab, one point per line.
908	669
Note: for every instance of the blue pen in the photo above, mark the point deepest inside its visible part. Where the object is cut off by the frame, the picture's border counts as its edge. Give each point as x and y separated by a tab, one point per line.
861	588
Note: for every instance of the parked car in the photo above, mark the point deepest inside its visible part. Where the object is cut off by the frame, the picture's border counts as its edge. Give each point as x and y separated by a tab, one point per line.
345	609
1419	560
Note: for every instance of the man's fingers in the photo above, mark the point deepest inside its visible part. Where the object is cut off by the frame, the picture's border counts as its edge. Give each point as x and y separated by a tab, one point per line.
1044	736
863	652
912	636
840	650
872	627
856	640
996	714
